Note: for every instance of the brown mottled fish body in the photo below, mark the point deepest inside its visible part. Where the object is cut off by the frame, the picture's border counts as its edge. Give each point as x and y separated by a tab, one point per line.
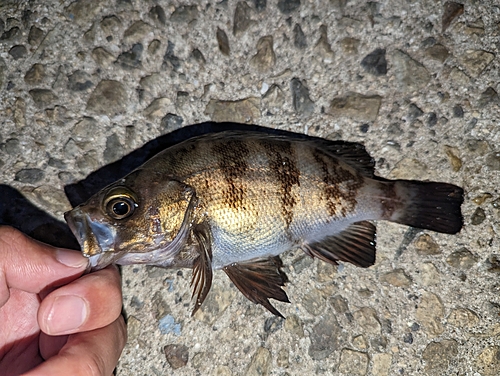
236	200
264	196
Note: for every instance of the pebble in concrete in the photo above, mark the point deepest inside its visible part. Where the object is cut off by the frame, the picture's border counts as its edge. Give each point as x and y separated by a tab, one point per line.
35	75
265	58
184	13
242	18
18	52
79	81
131	59
463	318
177	355
410	74
461	259
430	313
242	111
375	62
108	98
489	96
475	61
439	355
314	302
451	10
488	361
133	328
356	106
137	32
299	38
102	57
353	362
35	36
302	103
367	319
294	325
428	274
43	97
30	175
215	304
325	337
170	122
397	278
223	42
260	363
438	52
381	364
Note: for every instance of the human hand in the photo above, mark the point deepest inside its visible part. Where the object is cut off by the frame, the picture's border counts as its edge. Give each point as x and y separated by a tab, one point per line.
53	321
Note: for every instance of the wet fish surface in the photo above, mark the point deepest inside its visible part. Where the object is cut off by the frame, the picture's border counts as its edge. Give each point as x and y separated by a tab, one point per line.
236	200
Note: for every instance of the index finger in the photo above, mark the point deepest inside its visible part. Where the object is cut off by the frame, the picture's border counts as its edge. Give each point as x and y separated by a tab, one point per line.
31	266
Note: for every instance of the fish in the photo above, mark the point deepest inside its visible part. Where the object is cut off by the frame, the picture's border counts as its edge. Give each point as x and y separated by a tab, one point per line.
236	200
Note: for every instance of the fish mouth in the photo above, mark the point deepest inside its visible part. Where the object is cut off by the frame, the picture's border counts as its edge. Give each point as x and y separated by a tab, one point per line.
96	239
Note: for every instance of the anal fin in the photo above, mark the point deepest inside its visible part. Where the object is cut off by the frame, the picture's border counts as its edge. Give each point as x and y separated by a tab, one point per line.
202	268
260	280
356	245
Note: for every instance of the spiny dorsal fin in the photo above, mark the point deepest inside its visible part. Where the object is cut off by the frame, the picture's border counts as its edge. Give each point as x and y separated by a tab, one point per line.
356	244
202	268
260	280
352	153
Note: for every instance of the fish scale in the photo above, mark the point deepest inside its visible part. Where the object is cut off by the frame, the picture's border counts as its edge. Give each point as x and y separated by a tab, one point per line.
236	200
243	231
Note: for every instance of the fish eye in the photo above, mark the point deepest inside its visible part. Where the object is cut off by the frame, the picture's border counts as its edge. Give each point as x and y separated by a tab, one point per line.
120	207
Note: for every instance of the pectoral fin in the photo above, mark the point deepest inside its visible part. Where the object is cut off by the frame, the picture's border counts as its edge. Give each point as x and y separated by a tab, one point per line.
202	268
356	244
260	280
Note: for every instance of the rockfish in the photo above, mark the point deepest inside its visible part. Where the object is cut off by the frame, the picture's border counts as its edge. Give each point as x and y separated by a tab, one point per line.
236	200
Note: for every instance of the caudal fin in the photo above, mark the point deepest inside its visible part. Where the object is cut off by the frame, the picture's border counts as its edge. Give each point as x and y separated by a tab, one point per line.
431	206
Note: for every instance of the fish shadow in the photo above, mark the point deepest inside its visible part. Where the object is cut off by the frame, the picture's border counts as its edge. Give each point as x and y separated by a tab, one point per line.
18	212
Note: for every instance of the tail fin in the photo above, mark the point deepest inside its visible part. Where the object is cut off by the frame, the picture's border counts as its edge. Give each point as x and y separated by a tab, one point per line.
431	206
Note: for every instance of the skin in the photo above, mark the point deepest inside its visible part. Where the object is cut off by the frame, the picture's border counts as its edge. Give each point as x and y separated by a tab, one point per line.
53	320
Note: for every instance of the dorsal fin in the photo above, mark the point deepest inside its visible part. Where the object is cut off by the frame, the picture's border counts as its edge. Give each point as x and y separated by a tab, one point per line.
260	280
202	267
356	244
352	153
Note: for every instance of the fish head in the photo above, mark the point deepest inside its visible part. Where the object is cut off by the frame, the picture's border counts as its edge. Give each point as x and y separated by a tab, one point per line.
142	218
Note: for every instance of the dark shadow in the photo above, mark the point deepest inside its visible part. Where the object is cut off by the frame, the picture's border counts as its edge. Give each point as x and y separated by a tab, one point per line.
17	211
81	191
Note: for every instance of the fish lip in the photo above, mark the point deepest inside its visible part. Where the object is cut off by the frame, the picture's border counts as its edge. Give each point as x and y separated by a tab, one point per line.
101	261
96	239
76	222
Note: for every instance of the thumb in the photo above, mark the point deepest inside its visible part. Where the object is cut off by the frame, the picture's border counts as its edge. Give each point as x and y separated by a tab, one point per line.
31	266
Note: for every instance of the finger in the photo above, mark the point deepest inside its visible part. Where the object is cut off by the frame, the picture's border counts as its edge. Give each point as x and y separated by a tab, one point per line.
31	266
90	302
87	353
50	346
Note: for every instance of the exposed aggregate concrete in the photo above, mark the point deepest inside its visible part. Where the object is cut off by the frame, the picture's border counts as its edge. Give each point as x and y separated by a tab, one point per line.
83	83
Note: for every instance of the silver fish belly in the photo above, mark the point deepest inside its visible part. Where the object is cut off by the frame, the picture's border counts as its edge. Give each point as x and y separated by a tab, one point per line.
236	200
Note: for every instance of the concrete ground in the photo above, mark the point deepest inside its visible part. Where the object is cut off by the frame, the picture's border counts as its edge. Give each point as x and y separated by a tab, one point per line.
84	83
